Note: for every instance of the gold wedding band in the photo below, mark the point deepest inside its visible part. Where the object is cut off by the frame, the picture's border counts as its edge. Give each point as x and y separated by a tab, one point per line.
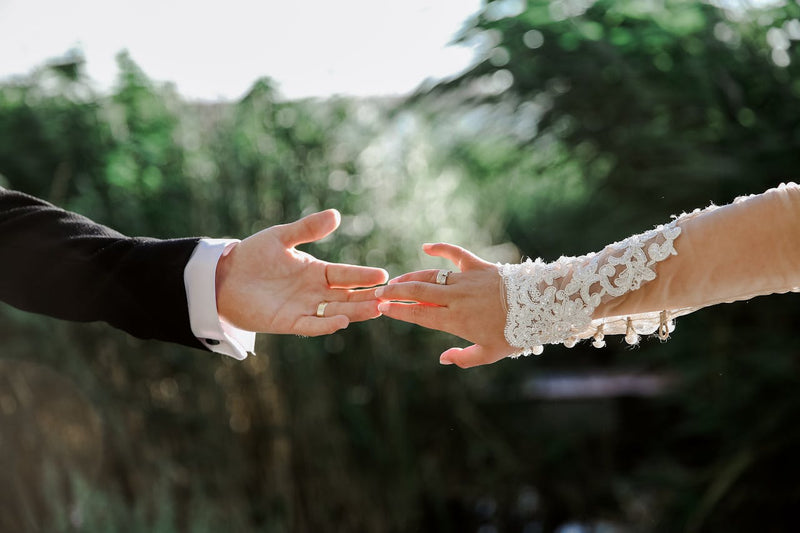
441	276
321	309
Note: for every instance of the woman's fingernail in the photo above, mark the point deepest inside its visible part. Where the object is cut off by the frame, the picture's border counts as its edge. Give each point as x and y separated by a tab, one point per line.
445	361
379	292
383	307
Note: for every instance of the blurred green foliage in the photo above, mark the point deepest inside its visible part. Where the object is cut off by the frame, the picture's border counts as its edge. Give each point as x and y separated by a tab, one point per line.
582	122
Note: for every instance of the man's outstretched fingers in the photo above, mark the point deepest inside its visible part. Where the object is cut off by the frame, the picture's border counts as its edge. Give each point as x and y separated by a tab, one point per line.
309	228
353	295
474	355
343	276
354	311
462	258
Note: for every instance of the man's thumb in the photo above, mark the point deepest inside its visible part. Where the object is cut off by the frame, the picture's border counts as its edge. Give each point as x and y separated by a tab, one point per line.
309	228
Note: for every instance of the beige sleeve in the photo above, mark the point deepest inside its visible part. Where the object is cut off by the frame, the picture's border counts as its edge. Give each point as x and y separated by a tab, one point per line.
638	286
748	248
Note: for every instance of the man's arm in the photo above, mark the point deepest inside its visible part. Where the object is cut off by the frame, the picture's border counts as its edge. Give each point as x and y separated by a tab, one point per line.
64	265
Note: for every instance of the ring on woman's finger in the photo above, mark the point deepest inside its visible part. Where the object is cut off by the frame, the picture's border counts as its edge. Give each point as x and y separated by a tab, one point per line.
321	309
441	276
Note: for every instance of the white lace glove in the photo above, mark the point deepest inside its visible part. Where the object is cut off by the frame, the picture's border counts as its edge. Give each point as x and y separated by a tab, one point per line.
721	254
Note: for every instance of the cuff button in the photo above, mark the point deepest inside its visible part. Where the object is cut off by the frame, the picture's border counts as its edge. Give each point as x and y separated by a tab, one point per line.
211	342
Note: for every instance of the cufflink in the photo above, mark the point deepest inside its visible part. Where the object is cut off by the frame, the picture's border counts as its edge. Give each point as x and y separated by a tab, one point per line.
211	342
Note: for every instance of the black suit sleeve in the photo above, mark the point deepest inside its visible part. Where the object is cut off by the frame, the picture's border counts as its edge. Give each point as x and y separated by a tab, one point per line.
64	265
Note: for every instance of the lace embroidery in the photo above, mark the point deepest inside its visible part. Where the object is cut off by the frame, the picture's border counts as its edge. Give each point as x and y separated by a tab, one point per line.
550	303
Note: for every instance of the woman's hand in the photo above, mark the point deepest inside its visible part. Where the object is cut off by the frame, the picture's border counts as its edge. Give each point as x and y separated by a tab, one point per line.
470	305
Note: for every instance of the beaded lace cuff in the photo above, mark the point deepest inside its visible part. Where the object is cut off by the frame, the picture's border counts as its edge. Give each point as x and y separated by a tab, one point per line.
551	303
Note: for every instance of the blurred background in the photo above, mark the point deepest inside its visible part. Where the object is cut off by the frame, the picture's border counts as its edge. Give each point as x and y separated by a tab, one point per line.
555	128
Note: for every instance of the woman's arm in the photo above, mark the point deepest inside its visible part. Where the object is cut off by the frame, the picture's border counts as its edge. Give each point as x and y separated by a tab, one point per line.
637	286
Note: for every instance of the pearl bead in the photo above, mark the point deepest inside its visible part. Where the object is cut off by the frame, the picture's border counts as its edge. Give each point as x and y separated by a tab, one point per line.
537	350
631	337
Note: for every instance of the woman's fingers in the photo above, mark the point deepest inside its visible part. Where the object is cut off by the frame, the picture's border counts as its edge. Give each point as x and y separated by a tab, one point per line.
353	311
461	257
414	291
427	276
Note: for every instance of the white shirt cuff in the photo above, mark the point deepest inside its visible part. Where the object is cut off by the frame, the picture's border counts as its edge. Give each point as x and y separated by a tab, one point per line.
199	278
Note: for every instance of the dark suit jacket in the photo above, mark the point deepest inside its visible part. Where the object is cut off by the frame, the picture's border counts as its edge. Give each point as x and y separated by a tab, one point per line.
64	265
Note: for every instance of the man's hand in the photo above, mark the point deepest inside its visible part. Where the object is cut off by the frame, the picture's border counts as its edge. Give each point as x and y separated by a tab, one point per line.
264	284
